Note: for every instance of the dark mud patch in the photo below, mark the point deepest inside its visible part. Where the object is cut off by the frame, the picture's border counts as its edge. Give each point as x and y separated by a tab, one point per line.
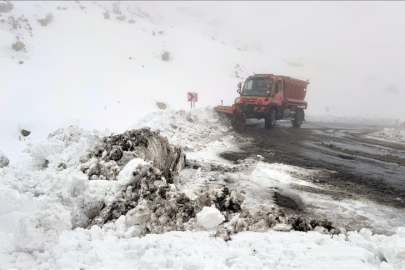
369	188
346	157
235	156
384	158
335	194
286	201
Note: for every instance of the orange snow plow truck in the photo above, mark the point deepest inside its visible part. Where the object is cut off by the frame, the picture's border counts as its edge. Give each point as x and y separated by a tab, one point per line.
271	97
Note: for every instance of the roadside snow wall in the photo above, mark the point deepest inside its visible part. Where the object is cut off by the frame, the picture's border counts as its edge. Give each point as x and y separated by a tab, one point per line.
395	134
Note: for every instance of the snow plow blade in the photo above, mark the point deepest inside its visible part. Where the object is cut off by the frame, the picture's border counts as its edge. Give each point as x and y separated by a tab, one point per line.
237	116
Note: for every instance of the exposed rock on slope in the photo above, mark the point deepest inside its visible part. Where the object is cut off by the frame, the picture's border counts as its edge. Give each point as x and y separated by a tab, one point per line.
3	160
166	56
18	46
6	7
121	18
48	19
25	133
161	105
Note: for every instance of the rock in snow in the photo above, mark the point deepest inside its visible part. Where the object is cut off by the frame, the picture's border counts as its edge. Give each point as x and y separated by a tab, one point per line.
6	7
161	105
18	46
25	133
121	18
3	160
166	56
209	217
48	19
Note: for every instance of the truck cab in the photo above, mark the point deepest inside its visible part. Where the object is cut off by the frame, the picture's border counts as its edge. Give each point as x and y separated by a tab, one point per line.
268	96
272	97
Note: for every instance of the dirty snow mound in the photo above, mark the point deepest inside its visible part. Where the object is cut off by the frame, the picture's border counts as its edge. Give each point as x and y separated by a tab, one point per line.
107	158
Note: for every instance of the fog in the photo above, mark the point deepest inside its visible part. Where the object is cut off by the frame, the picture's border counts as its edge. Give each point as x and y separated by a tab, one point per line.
353	54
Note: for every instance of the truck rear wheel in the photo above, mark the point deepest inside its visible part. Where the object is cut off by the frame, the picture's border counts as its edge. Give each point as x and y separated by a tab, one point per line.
270	119
299	117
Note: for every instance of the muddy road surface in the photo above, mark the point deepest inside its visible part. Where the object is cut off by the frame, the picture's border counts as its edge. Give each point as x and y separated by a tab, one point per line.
351	164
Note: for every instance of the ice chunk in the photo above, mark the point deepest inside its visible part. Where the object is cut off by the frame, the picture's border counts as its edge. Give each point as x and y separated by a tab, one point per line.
133	231
80	184
386	266
282	227
126	176
140	214
209	217
366	233
96	233
320	229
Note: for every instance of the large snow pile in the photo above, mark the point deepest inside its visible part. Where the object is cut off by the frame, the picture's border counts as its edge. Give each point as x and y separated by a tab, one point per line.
191	129
395	134
55	217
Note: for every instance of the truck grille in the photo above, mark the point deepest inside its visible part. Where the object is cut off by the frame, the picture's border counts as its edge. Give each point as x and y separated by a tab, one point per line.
249	100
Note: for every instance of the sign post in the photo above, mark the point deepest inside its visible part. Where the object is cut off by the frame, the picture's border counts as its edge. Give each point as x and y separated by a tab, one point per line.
192	97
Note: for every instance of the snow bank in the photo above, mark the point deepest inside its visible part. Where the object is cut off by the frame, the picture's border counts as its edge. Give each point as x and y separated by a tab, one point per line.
395	134
192	129
349	120
81	248
48	203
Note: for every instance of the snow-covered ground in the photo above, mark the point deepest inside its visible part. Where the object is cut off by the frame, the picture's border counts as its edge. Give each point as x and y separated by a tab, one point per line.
82	77
394	134
40	205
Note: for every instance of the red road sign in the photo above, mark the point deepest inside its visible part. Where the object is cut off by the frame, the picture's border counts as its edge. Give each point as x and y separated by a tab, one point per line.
190	96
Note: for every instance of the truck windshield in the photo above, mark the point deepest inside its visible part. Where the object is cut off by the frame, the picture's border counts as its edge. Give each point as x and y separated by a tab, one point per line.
257	87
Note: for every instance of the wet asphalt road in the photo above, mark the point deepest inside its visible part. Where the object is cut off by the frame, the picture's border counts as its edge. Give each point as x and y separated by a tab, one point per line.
358	166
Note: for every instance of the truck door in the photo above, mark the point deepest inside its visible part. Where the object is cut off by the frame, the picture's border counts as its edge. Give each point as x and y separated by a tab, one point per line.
278	89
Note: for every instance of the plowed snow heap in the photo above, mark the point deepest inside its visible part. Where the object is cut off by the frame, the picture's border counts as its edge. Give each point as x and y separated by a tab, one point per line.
108	158
149	200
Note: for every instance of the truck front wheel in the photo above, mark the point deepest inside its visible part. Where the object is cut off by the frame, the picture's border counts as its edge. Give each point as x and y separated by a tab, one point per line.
270	119
299	117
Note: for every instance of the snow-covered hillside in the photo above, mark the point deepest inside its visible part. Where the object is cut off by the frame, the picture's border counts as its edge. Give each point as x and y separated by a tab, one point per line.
78	73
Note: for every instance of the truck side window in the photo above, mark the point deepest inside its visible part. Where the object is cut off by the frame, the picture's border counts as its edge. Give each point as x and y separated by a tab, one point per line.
249	85
277	86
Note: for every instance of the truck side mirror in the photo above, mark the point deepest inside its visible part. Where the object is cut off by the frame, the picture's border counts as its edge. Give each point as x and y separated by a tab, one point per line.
239	88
